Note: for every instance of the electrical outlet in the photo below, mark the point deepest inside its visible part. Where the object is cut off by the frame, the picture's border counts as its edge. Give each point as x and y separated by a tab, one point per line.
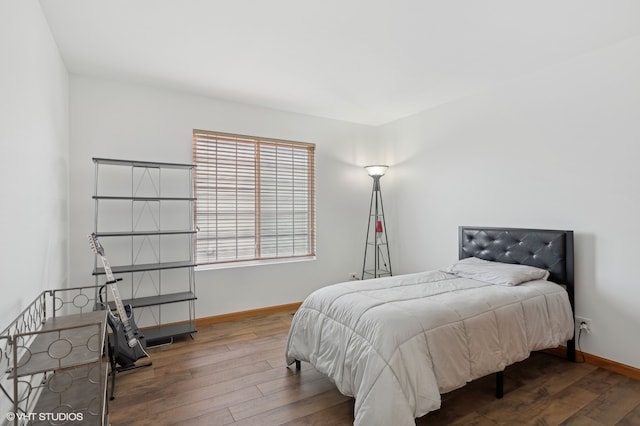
583	323
353	276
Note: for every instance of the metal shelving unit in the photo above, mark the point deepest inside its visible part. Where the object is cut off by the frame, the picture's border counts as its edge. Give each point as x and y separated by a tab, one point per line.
144	217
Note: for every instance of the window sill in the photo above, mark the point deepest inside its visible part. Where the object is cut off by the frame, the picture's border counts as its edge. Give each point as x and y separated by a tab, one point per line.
249	263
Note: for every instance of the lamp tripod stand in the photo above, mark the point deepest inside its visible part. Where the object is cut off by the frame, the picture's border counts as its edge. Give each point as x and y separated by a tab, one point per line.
377	261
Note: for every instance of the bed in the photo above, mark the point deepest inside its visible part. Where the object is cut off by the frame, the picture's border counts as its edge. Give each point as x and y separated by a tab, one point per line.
396	343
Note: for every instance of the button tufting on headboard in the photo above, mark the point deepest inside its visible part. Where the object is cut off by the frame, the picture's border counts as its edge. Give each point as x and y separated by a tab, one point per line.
548	249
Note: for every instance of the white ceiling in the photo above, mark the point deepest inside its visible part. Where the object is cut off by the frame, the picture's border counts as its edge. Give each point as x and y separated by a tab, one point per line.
364	61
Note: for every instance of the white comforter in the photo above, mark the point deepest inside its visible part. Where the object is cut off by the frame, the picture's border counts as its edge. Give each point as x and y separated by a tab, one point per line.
397	343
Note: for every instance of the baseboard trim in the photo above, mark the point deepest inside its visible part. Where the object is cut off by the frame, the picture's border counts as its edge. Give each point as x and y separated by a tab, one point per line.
247	314
607	364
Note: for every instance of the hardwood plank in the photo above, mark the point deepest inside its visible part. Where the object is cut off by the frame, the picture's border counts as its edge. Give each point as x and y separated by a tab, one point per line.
162	355
580	420
473	419
236	359
246	373
613	405
339	414
297	409
216	418
237	378
301	391
632	418
184	406
559	407
600	381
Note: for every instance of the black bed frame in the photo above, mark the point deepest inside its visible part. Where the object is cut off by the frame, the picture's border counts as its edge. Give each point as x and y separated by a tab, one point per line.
543	248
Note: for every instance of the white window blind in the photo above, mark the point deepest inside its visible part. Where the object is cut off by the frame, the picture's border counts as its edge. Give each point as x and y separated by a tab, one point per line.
255	198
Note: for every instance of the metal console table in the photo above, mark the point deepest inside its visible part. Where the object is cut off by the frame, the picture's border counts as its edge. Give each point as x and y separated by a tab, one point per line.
53	367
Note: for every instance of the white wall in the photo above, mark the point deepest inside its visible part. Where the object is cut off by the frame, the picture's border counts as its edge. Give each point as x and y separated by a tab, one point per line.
556	149
134	122
33	159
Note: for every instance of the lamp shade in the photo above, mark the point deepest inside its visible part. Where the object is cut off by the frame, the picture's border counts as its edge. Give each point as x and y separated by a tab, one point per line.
376	170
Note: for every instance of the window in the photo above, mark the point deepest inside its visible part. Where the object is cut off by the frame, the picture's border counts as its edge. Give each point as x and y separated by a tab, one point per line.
255	198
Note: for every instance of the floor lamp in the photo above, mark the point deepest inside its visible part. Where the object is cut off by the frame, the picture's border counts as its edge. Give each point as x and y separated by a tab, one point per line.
377	262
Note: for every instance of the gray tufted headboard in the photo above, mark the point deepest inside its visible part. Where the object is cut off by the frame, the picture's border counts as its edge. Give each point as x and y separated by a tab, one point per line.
543	248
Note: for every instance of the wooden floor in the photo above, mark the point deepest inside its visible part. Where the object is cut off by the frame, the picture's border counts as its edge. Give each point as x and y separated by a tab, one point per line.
233	373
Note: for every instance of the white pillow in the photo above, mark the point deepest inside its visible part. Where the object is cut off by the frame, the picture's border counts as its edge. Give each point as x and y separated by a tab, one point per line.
507	274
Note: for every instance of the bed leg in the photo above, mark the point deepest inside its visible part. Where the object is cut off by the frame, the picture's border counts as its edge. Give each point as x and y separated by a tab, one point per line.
571	350
297	364
499	384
